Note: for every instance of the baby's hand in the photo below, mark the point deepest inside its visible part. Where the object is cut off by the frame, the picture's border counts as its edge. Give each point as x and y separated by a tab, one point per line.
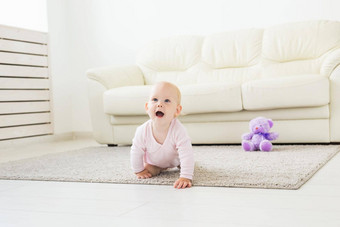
144	174
182	183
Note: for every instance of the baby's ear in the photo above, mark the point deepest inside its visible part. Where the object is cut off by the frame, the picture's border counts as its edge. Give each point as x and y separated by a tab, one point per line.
146	107
271	123
178	110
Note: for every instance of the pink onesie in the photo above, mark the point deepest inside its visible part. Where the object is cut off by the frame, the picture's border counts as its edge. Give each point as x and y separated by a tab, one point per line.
176	149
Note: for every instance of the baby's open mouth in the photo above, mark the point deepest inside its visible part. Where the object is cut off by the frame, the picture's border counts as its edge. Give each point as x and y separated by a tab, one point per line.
159	114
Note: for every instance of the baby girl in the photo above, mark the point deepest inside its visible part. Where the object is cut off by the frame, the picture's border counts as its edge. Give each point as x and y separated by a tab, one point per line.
162	142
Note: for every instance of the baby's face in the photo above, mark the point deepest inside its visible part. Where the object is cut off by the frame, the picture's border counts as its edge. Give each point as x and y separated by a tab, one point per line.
163	105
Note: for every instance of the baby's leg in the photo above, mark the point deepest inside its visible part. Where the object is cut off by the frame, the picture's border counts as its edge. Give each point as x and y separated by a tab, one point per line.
154	170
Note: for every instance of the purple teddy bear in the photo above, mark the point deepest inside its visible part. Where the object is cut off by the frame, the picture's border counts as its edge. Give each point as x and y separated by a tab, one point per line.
259	137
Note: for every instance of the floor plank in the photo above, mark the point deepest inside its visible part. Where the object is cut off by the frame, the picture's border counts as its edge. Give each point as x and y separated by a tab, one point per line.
37	203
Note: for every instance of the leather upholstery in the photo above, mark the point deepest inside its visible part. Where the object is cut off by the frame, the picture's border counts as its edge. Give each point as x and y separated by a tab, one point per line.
228	78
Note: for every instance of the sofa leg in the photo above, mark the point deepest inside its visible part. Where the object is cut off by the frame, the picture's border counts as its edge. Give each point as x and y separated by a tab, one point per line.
112	145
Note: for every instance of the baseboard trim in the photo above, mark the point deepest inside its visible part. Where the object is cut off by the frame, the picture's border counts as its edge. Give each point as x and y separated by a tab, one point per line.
46	138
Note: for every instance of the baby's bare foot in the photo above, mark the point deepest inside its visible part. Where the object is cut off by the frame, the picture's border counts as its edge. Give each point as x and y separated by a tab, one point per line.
154	170
144	174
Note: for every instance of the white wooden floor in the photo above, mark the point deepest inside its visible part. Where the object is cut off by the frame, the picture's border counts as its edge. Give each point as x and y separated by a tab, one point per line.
34	203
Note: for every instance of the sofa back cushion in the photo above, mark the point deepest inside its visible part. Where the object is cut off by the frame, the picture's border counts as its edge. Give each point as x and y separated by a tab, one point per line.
231	57
168	59
240	56
232	49
171	54
224	57
298	48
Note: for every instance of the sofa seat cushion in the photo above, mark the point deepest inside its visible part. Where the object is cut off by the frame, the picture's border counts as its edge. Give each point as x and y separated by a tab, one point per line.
198	98
211	98
306	113
286	92
129	100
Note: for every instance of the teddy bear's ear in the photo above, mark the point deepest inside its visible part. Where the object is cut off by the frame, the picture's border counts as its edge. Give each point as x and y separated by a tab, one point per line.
271	123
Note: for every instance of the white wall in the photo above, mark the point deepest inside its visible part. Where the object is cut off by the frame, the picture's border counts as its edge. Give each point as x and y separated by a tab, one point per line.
91	33
60	66
30	14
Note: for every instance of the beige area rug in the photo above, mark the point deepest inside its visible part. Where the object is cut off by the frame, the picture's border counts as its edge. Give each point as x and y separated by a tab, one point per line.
286	167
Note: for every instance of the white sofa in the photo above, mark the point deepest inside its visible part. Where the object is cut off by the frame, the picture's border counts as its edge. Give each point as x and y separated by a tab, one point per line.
289	73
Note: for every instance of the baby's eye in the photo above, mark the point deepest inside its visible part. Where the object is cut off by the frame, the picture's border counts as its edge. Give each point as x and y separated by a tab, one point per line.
155	100
167	100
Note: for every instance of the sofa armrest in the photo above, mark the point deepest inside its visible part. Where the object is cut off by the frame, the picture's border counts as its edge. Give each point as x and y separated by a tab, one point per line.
117	76
334	123
100	80
330	63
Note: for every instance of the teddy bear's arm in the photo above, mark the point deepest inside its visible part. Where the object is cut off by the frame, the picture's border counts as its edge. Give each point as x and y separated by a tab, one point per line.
272	136
247	136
